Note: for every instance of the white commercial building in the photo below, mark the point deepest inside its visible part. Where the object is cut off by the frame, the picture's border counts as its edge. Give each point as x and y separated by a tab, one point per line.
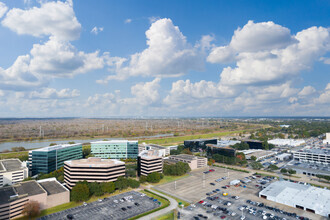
327	139
283	157
259	154
287	142
12	171
164	151
234	182
308	198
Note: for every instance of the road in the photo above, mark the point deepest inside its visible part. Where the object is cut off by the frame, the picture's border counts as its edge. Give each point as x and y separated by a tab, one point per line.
173	205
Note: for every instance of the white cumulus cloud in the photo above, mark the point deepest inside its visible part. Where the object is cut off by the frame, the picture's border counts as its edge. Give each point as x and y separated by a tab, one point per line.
3	9
51	93
96	30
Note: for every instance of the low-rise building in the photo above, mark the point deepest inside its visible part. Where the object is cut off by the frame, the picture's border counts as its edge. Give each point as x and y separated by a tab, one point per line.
254	144
48	193
165	151
222	150
259	154
150	161
283	157
12	171
287	142
193	161
199	144
319	156
49	159
92	170
327	139
115	149
308	198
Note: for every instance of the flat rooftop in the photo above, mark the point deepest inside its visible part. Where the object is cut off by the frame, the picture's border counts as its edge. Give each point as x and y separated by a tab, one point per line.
10	165
52	187
113	141
185	157
56	147
5	194
30	187
311	197
315	151
151	154
94	162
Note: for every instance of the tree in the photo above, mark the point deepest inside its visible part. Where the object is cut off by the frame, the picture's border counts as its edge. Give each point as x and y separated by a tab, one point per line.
291	171
52	144
177	169
254	158
154	177
86	151
108	187
210	162
273	167
121	183
256	165
133	183
95	189
283	170
80	192
187	151
143	179
31	209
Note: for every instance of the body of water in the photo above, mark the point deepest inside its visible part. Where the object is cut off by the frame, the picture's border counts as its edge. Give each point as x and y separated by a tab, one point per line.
45	143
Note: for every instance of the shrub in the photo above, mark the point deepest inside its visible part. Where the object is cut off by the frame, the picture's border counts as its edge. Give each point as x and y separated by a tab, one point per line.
80	192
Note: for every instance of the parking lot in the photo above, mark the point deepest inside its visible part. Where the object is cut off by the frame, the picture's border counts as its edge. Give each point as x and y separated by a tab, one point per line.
122	206
193	189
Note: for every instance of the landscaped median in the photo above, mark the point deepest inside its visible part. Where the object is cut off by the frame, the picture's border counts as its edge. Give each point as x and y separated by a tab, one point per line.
231	168
176	199
165	203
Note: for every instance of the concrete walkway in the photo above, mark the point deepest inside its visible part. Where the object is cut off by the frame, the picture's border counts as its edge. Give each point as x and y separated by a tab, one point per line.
173	205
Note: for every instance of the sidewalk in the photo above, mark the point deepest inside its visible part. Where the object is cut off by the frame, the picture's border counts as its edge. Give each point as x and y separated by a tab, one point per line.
173	205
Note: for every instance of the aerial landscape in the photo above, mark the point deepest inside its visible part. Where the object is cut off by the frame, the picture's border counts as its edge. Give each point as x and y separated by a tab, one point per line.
164	110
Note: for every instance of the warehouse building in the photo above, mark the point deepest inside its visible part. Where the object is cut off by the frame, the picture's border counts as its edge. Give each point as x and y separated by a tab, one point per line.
283	157
308	198
287	142
193	161
197	144
150	161
259	154
12	171
48	193
115	149
49	159
92	169
318	156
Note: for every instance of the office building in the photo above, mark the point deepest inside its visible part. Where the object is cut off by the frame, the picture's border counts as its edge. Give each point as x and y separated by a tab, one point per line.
12	171
283	157
254	144
92	169
193	161
115	149
165	151
308	198
222	150
225	143
318	156
48	193
259	154
327	139
49	159
150	161
199	144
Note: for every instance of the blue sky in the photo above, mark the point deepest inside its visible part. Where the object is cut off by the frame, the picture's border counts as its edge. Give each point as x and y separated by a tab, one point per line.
164	58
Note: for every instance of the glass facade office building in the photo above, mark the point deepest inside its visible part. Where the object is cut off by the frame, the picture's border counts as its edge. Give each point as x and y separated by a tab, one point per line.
115	149
49	159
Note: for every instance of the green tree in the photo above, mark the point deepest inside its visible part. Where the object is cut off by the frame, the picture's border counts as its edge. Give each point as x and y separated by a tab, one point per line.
154	177
80	192
95	189
108	187
291	171
121	183
143	179
273	167
254	158
283	170
256	165
86	151
133	183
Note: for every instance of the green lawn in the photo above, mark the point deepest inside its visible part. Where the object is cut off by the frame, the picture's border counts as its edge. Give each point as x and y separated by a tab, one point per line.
167	179
171	140
167	216
178	200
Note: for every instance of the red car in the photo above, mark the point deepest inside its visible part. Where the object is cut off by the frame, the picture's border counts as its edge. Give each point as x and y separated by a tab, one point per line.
211	170
223	217
227	186
200	202
257	185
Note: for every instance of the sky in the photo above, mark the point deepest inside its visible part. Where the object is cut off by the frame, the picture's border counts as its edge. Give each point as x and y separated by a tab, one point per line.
169	58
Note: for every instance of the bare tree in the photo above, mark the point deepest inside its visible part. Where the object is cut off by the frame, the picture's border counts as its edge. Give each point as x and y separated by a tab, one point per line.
31	209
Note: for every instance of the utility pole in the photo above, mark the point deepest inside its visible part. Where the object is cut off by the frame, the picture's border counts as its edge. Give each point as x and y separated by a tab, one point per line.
175	185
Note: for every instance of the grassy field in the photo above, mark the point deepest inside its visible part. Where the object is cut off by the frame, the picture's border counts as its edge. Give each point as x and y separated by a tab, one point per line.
21	155
178	200
174	140
167	179
167	216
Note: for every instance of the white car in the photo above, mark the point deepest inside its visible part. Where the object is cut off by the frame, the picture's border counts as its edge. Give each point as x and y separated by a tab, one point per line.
243	217
233	214
193	205
142	195
84	203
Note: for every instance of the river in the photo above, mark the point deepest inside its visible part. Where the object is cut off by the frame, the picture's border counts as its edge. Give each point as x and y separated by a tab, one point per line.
45	143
